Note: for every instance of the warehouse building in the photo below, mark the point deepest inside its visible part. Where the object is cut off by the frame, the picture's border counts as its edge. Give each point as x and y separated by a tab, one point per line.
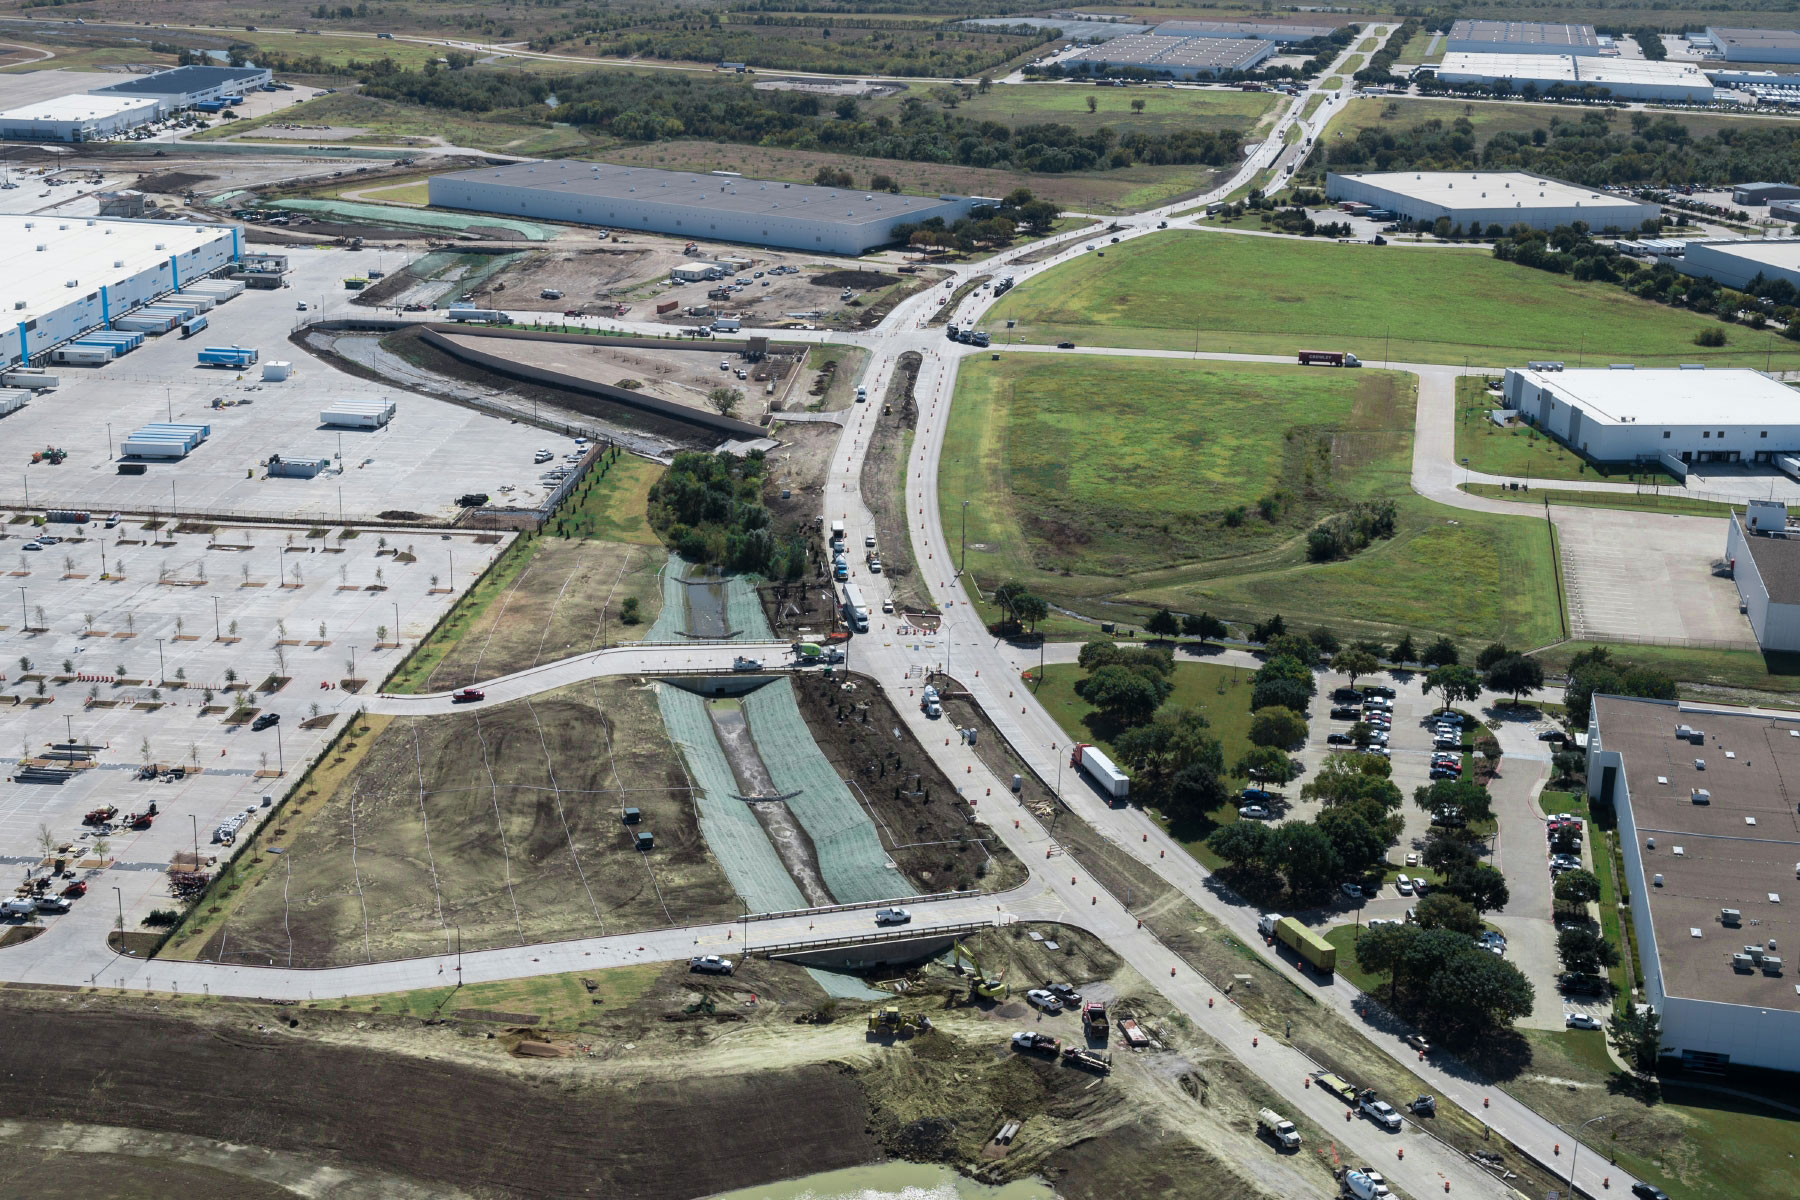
1284	35
184	87
1756	45
1503	198
1764	553
723	206
1521	37
1177	57
60	278
1628	79
77	118
1675	416
1757	194
1705	818
1735	263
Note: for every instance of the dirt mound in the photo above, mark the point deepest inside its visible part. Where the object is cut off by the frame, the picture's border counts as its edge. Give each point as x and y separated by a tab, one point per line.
1011	1012
171	183
539	1050
861	280
400	514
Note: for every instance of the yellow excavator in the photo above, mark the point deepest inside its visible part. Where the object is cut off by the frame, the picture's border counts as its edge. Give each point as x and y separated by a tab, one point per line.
980	982
892	1022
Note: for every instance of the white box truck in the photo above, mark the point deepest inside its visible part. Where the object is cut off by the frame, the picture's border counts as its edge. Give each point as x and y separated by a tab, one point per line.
856	612
1114	782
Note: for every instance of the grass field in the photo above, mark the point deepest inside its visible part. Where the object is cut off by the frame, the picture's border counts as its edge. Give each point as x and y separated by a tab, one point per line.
1400	113
391	123
1192	291
502	823
1165	110
1131	504
554	594
1643	501
1521	451
1312	105
1739	676
400	193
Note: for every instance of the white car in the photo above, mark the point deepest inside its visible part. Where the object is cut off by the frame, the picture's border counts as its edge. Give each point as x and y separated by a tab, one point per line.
1578	1020
1404	885
1254	812
892	916
887	605
1044	1000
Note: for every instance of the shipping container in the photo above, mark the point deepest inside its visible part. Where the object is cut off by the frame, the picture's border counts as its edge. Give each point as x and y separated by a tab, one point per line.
12	400
227	356
359	414
83	356
198	301
192	325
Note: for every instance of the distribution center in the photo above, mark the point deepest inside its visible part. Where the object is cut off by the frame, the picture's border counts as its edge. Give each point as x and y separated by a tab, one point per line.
1283	34
1705	821
77	118
1627	79
62	277
1179	57
722	206
1521	37
1764	557
1676	416
1735	263
1503	198
184	87
1756	45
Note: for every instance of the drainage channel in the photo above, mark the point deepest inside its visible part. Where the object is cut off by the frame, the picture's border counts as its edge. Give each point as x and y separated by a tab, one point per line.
785	834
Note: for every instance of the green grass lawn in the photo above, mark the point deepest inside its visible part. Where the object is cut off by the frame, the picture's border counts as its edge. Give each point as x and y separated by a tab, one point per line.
1212	291
1521	451
1312	105
1135	502
1643	501
1344	938
1165	110
1223	693
391	123
1749	674
1400	113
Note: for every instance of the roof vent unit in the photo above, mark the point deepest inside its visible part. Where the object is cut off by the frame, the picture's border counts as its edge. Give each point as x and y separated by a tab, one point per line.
1684	732
1697	736
92	222
118	263
1678	852
1742	962
63	226
1657	880
40	246
72	283
1649	843
1702	795
1699	764
1771	964
159	245
1730	917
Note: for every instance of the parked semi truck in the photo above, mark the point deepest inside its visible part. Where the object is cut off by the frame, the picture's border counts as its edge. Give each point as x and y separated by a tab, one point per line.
1312	949
479	316
1329	358
856	612
1100	769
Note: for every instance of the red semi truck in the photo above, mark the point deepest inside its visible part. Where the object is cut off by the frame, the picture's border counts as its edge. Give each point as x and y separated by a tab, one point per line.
1328	358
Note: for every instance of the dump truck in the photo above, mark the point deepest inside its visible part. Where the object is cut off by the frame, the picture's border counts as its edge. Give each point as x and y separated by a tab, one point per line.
1328	358
1089	1060
1314	950
1094	1021
1114	782
1037	1043
1279	1128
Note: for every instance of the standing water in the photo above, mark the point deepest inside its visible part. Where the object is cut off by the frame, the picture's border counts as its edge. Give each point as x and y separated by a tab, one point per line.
891	1181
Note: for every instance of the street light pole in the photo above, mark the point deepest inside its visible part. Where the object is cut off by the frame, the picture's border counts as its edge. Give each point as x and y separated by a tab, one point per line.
196	823
1575	1155
121	895
218	634
23	618
162	667
280	762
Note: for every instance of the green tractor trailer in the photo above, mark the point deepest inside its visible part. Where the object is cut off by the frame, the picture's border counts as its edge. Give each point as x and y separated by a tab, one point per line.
1314	950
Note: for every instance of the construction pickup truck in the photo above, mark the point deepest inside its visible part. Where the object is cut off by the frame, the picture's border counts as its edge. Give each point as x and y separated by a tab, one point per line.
1037	1043
740	663
1378	1111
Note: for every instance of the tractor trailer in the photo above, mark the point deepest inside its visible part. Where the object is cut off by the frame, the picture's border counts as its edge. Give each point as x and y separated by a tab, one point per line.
1312	948
1328	358
856	612
1114	782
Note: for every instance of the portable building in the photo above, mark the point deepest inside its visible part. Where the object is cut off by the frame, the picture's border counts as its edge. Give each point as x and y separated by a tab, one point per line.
296	466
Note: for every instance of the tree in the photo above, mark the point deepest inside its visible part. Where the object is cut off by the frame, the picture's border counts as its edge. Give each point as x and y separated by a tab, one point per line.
1137	104
1354	662
1449	849
1195	791
46	839
1094	654
1278	727
1308	859
725	400
1516	674
1481	885
1460	799
1403	651
1440	910
1206	627
1244	844
1479	990
1162	624
1281	693
1491	654
1585	952
1382	950
1268	764
1126	695
1264	631
1092	104
1576	889
1030	609
1302	650
1359	779
1358	843
1441	653
1488	746
1637	1035
1453	684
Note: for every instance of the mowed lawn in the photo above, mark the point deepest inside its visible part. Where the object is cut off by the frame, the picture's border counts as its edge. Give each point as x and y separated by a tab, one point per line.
1265	295
1110	485
1165	110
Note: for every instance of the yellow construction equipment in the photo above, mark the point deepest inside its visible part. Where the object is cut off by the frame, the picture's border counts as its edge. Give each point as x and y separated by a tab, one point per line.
892	1021
981	983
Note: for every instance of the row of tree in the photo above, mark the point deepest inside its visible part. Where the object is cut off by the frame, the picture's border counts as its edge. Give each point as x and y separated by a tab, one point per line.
708	508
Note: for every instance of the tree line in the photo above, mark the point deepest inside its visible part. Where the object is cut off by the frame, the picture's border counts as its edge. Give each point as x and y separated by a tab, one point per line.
708	508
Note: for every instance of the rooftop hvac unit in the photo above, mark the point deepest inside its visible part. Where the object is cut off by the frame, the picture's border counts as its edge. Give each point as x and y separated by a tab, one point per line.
1742	962
1702	795
1730	916
1699	764
1657	880
117	263
1771	964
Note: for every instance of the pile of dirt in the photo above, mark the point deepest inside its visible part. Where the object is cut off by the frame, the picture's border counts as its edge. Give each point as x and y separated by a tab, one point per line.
862	281
172	183
400	514
882	477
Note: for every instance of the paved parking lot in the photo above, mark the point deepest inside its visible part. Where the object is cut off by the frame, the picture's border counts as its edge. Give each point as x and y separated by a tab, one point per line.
1627	573
124	663
430	454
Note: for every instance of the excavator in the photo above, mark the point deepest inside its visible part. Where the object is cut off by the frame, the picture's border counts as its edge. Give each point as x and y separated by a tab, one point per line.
980	983
890	1022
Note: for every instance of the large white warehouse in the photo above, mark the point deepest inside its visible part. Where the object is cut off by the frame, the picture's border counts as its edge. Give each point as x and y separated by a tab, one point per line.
1177	57
77	118
1503	198
1705	809
1756	45
1676	416
184	87
61	277
1628	79
1521	37
1735	263
719	207
1764	553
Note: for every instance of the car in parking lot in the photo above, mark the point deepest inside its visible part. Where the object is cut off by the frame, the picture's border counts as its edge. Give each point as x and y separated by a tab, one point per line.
1346	695
892	916
1443	743
1047	1001
1403	884
1440	772
31	546
1377	689
1339	739
1345	713
264	721
1351	890
1256	793
1579	1020
53	904
1553	735
1253	812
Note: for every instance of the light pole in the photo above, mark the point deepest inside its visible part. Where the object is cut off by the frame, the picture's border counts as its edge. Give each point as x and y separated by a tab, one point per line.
280	762
109	452
196	823
162	668
23	618
1575	1155
396	623
121	946
218	634
69	724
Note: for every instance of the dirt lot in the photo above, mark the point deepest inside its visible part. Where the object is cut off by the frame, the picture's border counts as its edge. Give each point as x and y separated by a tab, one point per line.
680	376
884	481
501	821
926	829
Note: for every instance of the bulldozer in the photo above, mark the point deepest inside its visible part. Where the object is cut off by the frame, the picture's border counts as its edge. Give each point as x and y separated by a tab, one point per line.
891	1022
980	982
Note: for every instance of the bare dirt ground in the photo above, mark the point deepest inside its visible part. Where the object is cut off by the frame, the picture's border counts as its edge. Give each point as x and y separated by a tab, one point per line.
798	468
883	483
931	833
680	376
503	822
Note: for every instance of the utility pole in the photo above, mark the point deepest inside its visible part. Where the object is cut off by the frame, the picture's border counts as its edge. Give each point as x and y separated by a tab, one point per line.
196	823
218	634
